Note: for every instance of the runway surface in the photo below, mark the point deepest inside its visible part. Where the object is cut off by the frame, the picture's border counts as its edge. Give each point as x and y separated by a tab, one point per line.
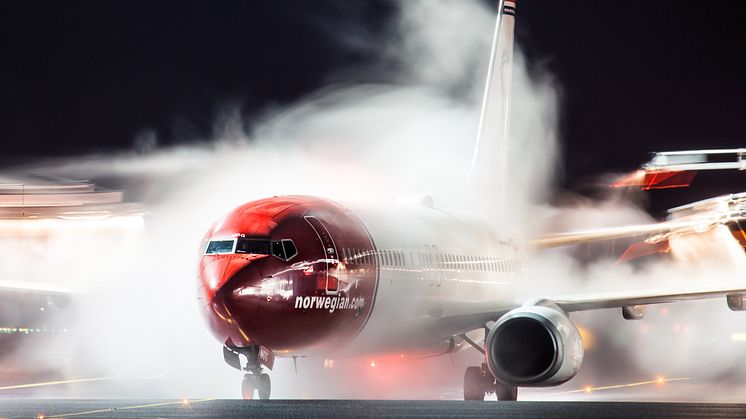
37	408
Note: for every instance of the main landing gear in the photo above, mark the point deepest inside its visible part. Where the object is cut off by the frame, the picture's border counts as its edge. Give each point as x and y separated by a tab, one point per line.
254	379
478	382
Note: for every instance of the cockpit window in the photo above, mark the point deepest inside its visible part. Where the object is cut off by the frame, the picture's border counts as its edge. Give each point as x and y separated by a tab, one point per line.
290	249
282	249
256	247
277	249
219	247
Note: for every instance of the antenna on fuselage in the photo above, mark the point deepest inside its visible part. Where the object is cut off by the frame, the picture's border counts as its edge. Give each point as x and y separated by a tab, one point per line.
488	173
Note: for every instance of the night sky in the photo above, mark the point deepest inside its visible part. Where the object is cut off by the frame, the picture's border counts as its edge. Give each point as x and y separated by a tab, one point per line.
86	76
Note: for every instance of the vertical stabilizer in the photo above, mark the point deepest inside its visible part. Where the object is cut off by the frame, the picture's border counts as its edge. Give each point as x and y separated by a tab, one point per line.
489	173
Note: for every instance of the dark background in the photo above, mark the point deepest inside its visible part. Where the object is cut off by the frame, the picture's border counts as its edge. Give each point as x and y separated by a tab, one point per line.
85	76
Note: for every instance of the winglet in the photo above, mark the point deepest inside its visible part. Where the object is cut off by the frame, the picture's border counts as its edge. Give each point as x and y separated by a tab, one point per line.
648	180
640	249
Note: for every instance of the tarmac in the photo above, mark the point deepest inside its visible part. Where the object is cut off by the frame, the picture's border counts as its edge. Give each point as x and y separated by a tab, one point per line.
202	408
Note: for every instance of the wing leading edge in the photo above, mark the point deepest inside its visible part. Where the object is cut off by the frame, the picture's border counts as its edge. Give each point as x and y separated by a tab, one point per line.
456	324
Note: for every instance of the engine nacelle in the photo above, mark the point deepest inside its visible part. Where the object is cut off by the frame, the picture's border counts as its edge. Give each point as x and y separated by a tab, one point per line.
534	345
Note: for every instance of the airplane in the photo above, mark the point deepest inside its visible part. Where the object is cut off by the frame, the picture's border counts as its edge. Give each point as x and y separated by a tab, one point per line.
677	169
35	211
304	276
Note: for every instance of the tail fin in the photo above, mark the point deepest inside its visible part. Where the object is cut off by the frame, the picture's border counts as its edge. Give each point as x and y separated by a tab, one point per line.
488	170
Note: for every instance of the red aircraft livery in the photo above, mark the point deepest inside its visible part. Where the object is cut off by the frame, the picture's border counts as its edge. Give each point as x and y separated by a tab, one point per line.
280	283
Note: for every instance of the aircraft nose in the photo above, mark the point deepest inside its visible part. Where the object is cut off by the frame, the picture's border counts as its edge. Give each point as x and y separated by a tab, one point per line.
221	278
217	271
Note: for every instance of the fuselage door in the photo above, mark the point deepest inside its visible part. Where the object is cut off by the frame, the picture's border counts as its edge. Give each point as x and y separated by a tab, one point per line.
330	255
438	264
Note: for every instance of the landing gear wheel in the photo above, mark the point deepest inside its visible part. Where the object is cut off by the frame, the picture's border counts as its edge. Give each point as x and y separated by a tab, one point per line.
473	384
506	392
264	386
247	386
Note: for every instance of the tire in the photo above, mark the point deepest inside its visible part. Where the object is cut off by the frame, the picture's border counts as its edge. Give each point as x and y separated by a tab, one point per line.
247	387
473	384
506	393
264	386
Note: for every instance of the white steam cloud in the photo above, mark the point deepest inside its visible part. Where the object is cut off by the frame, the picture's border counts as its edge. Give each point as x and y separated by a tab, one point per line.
362	143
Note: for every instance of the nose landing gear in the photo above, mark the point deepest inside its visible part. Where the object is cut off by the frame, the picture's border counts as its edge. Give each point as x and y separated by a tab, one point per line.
255	378
259	382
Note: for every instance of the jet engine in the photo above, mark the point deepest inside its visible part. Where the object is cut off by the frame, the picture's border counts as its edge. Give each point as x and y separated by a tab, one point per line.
534	345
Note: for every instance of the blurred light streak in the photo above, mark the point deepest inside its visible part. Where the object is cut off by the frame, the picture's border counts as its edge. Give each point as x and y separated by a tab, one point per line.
659	381
141	406
54	383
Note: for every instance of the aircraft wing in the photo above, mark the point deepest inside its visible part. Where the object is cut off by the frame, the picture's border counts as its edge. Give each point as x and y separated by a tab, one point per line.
452	323
733	292
677	169
696	217
611	233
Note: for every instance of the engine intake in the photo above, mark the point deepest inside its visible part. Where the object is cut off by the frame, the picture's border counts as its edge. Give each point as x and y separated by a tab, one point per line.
535	345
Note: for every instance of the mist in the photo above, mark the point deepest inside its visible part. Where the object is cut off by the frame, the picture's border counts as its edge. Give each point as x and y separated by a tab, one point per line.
361	144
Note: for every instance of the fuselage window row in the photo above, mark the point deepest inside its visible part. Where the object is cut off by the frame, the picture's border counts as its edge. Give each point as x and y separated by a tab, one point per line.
427	260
